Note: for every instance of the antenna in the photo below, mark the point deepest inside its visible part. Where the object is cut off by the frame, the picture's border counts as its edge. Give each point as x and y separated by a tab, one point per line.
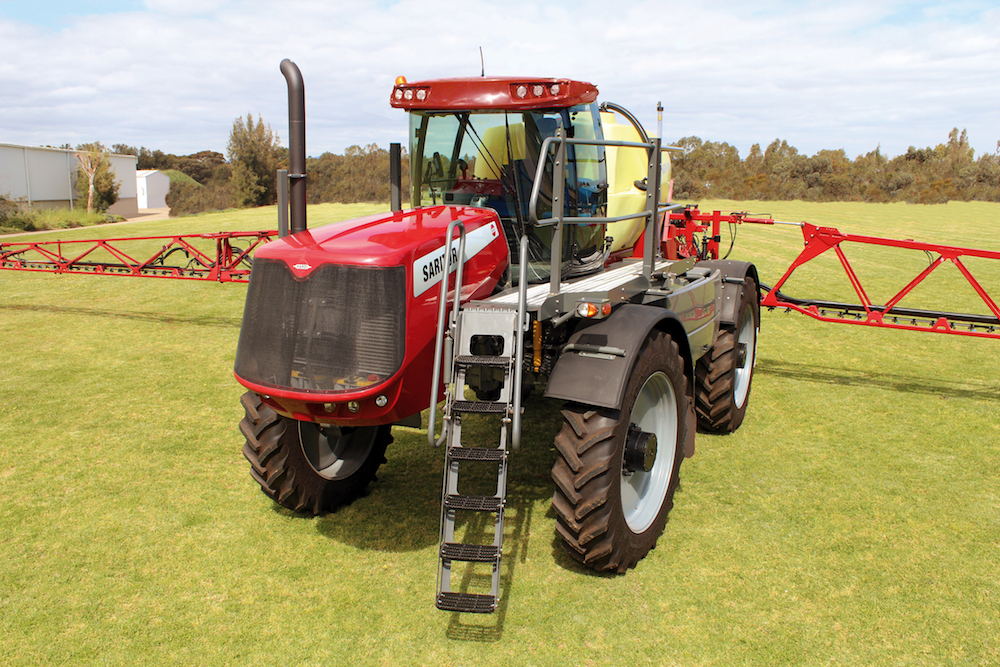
482	63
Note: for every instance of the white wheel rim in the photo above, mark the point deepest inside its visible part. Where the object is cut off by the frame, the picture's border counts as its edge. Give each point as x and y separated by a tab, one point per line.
643	493
747	337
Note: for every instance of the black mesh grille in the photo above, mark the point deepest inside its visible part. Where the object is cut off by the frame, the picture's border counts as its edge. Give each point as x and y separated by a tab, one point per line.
342	328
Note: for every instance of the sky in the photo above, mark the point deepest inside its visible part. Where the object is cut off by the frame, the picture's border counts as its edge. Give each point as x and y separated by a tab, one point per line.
173	75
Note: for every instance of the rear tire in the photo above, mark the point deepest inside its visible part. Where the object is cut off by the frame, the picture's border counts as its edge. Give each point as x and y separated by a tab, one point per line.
608	517
722	384
307	468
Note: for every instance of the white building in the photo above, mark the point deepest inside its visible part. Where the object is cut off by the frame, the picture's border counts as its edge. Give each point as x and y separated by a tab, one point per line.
151	188
45	178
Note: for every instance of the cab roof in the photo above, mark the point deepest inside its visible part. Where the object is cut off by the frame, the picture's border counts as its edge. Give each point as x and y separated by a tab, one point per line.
483	93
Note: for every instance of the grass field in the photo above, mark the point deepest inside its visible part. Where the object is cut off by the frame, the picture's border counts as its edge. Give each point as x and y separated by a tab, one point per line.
854	519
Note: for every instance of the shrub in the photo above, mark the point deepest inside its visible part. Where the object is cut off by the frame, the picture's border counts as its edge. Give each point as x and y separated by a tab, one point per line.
190	198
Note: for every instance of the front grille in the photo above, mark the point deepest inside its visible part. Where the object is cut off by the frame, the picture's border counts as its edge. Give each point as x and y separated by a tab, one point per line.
340	329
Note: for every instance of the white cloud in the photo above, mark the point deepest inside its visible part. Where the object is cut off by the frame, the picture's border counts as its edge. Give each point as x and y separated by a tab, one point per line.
173	75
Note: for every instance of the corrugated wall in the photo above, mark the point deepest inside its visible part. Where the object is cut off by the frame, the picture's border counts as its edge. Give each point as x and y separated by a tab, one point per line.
45	177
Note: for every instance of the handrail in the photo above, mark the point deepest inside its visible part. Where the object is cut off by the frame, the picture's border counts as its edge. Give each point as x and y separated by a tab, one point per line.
522	310
653	150
439	338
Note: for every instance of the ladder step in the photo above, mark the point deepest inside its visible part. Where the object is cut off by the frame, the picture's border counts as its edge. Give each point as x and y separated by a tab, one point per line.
481	407
476	454
473	503
467	602
471	553
482	360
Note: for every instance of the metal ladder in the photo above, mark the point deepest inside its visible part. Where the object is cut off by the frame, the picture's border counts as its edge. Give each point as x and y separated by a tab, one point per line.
473	324
471	329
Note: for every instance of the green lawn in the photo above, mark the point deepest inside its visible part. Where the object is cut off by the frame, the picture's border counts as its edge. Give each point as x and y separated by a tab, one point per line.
854	519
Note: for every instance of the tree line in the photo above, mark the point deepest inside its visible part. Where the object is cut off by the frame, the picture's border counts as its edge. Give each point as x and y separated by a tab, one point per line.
245	175
948	171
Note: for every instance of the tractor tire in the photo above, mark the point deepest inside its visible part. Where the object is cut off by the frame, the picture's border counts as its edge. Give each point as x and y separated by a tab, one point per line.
610	511
304	467
723	376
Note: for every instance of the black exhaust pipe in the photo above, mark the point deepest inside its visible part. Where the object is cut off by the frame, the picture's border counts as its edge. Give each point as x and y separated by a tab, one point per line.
296	145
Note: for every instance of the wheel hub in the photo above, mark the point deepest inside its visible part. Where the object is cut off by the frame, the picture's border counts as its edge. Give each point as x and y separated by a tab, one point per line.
741	355
640	450
334	452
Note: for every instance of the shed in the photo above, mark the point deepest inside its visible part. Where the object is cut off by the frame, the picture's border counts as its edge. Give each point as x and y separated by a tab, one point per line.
151	188
45	177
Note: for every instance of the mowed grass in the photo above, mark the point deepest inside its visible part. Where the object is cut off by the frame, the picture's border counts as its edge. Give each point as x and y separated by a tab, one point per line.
854	519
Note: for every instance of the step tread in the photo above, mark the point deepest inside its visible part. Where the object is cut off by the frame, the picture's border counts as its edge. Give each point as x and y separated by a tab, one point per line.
473	503
476	454
471	553
483	360
472	603
481	407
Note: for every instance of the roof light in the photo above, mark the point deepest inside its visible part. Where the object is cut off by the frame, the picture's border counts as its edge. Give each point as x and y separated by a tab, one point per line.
398	94
400	80
538	90
555	89
522	91
408	94
421	94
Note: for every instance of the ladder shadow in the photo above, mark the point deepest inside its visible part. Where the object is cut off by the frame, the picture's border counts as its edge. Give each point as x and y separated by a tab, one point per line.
489	628
529	482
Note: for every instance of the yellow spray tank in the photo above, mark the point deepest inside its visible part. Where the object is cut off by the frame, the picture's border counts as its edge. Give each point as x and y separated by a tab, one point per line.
627	169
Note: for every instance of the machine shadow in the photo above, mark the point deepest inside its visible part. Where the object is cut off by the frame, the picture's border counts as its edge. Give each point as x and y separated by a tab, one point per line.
927	385
159	318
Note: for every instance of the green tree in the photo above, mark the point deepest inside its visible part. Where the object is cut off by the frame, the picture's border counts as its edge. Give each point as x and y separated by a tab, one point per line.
95	177
254	153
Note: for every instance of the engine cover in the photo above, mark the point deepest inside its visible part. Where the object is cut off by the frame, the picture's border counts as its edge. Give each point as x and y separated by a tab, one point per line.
340	321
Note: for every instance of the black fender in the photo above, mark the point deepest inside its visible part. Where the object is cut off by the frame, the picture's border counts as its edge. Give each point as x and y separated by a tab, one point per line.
734	275
596	361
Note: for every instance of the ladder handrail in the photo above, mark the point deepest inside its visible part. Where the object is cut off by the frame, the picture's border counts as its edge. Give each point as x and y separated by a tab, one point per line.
442	308
522	310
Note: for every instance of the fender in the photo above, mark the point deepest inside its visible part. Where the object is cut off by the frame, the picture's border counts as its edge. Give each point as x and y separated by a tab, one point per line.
595	378
733	276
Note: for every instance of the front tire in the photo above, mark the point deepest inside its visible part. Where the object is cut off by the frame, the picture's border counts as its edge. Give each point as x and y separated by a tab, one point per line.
611	511
305	467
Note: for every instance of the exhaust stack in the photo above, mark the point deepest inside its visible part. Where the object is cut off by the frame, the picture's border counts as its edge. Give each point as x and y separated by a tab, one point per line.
296	144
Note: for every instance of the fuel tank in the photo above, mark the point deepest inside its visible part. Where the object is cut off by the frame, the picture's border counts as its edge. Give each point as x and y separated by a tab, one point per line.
340	320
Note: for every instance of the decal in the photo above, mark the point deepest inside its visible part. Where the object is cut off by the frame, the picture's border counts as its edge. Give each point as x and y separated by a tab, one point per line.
427	270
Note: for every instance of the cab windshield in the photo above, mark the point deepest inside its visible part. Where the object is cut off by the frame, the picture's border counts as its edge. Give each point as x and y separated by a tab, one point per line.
489	160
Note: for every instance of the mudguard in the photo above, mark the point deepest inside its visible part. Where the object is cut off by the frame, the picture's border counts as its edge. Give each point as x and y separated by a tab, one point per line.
733	276
597	360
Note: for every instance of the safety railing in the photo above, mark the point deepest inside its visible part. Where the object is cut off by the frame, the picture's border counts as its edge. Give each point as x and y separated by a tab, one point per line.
651	213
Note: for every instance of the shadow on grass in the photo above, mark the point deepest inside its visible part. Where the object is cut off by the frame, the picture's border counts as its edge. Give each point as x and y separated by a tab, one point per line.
402	512
930	386
160	318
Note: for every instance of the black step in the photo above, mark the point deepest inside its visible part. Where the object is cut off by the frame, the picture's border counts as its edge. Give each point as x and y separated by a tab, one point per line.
476	454
471	553
482	360
481	407
468	602
473	503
